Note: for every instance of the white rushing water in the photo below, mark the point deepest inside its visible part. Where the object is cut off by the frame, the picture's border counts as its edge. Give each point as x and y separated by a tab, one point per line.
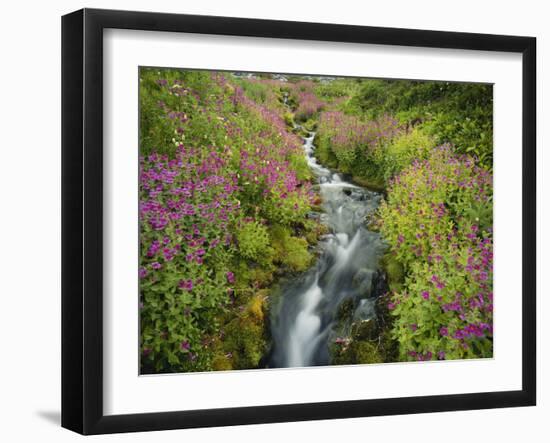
346	268
304	335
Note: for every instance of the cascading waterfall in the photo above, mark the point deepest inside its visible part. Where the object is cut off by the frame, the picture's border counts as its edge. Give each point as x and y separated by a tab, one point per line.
304	336
303	323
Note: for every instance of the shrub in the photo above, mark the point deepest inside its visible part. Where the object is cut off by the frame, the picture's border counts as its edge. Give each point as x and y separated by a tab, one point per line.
187	206
290	251
253	240
402	150
308	106
170	110
445	312
355	142
444	309
303	98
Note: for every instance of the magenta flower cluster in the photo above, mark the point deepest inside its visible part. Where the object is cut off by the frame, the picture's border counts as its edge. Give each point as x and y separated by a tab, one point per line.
185	196
308	103
350	137
230	157
432	218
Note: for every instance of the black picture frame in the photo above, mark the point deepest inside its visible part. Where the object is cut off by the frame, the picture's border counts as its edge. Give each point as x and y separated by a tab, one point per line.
82	215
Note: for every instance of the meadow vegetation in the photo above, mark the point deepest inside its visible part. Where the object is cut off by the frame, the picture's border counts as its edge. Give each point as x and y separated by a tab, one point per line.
225	193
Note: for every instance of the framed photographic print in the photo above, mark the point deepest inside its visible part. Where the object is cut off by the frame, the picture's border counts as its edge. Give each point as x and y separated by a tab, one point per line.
269	221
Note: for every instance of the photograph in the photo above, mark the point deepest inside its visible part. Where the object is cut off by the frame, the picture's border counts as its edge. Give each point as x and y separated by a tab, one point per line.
302	220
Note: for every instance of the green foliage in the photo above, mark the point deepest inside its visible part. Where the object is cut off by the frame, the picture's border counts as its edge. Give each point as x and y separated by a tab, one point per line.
335	89
356	352
183	263
357	146
368	341
253	241
444	307
472	134
257	91
402	150
324	152
289	119
290	251
299	165
172	318
156	132
245	341
285	209
170	103
457	113
437	191
394	272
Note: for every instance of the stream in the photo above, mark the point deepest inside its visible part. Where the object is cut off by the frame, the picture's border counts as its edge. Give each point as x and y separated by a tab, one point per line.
306	320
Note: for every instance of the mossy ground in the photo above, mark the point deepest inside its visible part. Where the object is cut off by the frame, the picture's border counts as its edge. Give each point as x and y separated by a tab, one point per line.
244	340
395	273
369	341
291	252
370	182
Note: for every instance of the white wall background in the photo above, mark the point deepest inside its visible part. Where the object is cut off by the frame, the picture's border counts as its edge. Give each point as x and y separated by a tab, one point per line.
30	219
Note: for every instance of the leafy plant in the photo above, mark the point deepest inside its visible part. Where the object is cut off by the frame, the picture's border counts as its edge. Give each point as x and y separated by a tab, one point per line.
218	167
444	308
253	240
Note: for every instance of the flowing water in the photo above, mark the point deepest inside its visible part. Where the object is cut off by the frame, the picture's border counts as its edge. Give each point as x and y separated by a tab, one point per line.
305	323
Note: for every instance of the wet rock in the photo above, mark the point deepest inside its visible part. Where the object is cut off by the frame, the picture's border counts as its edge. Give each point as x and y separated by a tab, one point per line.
363	281
358	196
324	218
356	352
365	310
302	132
380	285
345	310
365	330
